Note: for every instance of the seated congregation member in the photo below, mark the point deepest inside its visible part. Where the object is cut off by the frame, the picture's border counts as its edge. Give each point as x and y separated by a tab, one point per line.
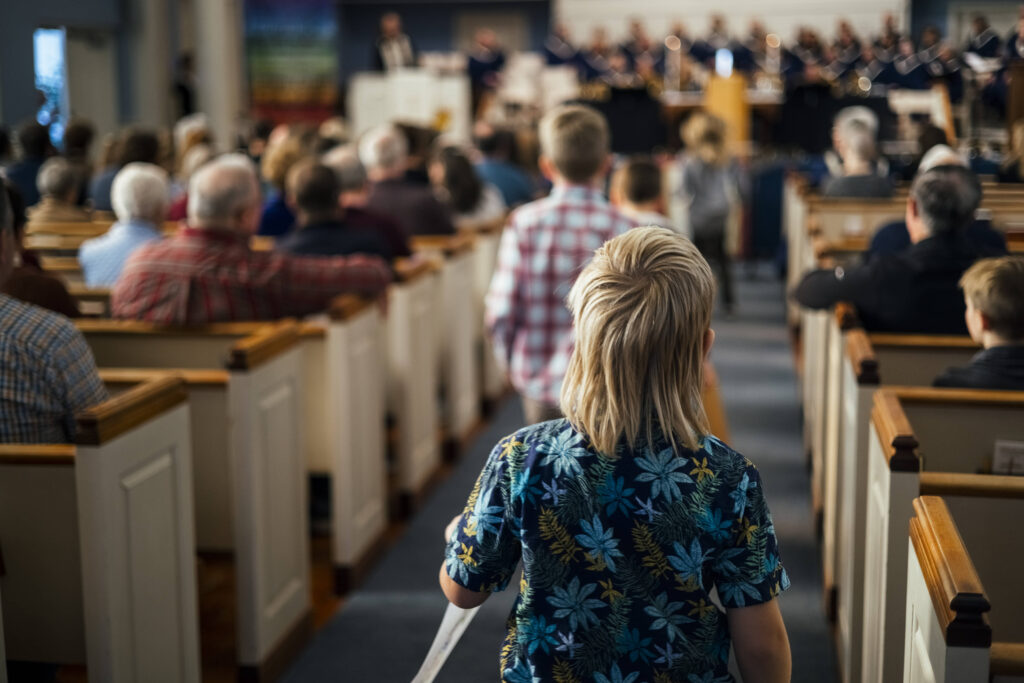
913	291
134	145
78	138
139	196
48	372
35	148
894	238
633	451
313	190
58	185
284	150
542	251
457	184
384	153
496	167
354	192
207	272
994	295
855	142
29	282
636	191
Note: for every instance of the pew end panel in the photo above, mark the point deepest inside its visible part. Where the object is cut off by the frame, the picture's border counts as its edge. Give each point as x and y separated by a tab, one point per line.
948	633
140	610
355	362
412	379
269	499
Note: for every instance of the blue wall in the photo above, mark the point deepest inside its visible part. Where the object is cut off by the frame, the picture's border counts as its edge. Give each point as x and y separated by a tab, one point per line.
431	25
18	21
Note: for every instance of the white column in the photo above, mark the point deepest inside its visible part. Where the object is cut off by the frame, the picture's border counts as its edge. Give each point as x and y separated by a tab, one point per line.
151	62
220	68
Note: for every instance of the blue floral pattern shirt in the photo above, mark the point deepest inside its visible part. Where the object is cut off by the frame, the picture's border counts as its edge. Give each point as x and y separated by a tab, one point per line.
620	555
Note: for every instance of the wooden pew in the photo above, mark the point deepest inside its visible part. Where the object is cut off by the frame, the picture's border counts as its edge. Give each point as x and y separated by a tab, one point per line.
67	268
457	330
92	302
865	362
964	601
411	342
926	442
344	366
245	398
492	377
98	549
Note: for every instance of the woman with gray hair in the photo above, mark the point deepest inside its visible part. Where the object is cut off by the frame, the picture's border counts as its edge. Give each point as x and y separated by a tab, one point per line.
139	196
58	185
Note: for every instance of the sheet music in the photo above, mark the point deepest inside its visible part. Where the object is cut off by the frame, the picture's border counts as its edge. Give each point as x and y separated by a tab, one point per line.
453	625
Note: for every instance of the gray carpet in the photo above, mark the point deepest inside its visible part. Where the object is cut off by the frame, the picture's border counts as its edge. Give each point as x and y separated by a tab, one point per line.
383	631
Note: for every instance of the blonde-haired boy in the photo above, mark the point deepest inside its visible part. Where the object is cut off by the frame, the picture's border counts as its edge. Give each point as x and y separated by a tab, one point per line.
543	249
994	294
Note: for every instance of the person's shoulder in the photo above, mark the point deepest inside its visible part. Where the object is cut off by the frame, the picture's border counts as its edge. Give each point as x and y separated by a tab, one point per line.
35	329
722	460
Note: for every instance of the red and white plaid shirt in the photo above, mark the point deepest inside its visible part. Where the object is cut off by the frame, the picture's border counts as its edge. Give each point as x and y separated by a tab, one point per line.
204	276
543	249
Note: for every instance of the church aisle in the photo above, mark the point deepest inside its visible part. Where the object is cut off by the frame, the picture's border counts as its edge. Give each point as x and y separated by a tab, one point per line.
384	629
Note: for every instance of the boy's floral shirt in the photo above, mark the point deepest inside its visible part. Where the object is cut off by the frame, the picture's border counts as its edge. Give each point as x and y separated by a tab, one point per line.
620	555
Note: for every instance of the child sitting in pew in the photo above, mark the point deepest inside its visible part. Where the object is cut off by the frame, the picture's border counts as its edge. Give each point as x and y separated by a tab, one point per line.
994	294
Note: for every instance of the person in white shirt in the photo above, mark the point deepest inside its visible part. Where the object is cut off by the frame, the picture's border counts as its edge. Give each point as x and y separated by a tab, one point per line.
139	195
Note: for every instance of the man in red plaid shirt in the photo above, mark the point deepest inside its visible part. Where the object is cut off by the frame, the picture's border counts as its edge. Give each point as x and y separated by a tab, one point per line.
543	249
207	272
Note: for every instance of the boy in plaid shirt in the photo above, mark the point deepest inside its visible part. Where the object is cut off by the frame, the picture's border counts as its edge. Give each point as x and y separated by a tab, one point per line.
544	247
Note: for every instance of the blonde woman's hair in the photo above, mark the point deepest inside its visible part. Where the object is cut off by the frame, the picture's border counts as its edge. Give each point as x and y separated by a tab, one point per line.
995	286
704	136
641	310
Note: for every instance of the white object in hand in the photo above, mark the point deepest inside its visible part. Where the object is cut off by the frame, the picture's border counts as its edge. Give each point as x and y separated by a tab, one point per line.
449	632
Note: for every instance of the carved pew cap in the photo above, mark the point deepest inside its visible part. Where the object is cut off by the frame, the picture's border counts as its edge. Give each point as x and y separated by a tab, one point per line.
110	419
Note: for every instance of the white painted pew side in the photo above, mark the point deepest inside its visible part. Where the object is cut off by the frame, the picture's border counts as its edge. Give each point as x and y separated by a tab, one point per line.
922	441
492	377
250	462
948	634
458	330
954	561
123	603
410	338
349	366
794	216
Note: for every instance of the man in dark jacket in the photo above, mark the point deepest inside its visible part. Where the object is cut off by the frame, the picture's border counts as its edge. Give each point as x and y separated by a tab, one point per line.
312	191
914	291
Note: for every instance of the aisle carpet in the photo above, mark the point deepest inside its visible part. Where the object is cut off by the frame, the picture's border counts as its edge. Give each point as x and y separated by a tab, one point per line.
384	629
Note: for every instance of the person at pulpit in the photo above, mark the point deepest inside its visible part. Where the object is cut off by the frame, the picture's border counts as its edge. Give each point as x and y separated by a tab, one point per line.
994	296
393	48
915	291
485	62
48	373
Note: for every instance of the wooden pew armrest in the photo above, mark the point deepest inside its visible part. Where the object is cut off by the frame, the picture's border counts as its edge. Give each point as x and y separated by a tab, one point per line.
37	454
1006	659
895	432
264	345
110	419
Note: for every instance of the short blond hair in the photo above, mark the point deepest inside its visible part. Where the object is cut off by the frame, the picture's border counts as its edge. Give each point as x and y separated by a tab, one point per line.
641	309
577	141
704	135
995	286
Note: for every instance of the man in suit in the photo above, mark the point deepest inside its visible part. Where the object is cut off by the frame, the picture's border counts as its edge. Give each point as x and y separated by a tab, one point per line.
393	49
914	291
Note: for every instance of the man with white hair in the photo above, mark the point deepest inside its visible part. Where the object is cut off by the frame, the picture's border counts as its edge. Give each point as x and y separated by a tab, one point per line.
854	139
894	238
139	196
384	152
208	273
58	185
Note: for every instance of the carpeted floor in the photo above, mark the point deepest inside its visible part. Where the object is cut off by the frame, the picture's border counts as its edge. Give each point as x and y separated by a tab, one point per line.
383	631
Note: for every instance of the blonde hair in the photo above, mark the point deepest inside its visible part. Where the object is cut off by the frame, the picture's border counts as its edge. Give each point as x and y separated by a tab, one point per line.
281	155
995	286
704	136
577	141
641	309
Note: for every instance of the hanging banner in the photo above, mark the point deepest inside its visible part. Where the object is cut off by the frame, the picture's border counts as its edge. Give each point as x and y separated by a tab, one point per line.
291	54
